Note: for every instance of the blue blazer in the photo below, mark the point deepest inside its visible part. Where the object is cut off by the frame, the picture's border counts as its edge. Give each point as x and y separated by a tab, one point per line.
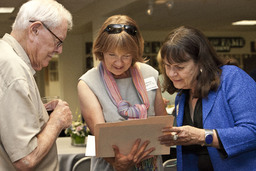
231	110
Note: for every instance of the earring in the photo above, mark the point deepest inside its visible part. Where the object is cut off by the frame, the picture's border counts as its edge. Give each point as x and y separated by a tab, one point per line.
201	70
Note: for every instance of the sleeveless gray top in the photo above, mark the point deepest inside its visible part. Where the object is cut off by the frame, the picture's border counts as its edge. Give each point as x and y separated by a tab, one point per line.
128	92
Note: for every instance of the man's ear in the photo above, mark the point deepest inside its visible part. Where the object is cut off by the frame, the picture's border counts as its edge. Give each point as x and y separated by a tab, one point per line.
34	30
35	27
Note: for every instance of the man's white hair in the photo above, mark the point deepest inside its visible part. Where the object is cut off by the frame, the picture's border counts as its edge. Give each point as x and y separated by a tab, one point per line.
50	12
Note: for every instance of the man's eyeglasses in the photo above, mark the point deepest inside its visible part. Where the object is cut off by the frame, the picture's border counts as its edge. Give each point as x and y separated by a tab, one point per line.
118	28
60	42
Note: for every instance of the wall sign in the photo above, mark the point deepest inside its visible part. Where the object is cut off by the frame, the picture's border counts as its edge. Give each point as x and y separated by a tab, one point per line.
224	44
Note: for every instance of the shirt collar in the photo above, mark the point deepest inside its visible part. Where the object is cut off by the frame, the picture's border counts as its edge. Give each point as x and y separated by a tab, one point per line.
19	50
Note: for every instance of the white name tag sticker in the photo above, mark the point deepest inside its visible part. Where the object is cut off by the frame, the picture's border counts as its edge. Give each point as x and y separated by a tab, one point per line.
150	83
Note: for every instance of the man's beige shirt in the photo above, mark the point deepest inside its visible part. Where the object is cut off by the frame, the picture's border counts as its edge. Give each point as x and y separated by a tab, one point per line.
22	114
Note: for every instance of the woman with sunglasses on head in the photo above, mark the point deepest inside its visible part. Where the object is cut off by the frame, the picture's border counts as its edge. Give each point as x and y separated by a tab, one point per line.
115	91
215	106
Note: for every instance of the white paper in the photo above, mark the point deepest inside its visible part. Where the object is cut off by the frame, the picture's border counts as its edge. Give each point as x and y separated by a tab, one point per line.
169	110
90	146
150	83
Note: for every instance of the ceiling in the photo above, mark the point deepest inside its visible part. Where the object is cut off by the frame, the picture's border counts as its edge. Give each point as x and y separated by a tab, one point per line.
207	15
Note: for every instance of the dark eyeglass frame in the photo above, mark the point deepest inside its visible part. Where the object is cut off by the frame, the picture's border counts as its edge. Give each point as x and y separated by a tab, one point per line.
118	28
60	41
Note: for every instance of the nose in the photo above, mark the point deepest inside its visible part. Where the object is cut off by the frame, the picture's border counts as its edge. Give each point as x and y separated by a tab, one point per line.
119	61
58	50
171	72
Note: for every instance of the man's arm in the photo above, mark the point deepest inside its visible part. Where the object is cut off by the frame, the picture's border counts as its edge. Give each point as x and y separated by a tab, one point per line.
59	119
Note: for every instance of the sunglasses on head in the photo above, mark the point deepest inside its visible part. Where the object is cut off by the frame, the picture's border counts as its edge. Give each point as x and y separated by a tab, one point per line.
118	28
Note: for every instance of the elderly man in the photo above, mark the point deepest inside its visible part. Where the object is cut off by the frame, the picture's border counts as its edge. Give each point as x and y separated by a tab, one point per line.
27	133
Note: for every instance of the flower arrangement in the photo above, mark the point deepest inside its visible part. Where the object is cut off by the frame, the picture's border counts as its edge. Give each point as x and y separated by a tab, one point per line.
78	131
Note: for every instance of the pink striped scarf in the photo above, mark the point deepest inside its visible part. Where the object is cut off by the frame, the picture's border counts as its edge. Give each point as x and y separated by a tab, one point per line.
138	111
125	109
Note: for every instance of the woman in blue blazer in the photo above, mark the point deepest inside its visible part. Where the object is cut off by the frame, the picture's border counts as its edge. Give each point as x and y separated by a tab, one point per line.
215	106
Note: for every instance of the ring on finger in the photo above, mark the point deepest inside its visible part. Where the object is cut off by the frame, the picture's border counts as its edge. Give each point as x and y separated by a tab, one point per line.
175	137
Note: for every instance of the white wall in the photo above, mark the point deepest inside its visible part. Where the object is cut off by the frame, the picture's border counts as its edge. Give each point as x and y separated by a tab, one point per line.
72	66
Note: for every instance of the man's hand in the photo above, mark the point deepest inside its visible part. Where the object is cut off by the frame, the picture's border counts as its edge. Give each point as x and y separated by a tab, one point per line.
61	114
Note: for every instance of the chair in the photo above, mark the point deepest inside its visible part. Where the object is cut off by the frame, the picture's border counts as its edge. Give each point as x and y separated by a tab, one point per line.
170	165
83	164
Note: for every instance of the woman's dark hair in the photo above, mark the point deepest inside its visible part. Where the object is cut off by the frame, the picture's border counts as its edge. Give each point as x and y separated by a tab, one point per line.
186	43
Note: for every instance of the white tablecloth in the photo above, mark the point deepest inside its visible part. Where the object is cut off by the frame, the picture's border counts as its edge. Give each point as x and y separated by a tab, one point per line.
67	153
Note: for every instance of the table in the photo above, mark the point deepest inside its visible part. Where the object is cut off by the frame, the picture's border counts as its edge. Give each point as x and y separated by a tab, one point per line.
68	154
64	146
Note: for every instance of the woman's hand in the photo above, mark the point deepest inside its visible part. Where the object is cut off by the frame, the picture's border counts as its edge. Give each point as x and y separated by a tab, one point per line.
166	101
184	135
138	153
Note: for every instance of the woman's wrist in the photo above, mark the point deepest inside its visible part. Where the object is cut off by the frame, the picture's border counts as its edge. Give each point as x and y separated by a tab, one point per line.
201	138
209	135
215	142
